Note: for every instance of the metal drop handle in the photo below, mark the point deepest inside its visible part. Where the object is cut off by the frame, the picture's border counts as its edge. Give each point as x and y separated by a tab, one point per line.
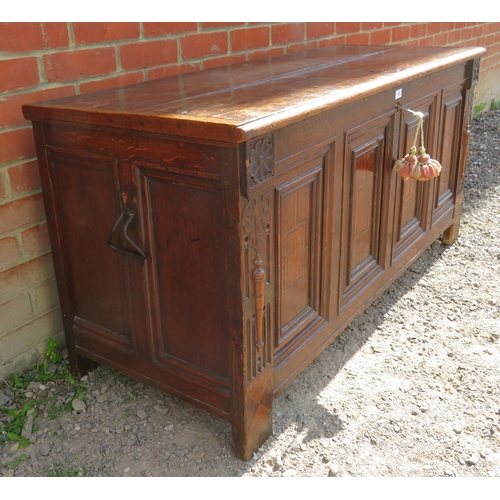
130	215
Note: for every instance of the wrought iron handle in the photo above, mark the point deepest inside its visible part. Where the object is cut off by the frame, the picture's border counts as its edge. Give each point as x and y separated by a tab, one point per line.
130	215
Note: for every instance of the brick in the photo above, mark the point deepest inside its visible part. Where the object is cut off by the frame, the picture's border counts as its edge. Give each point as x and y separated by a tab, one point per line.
337	40
287	33
490	40
440	39
160	29
174	69
10	108
24	177
447	26
114	81
301	47
209	25
27	336
358	39
9	252
262	54
381	37
371	26
477	31
481	42
15	312
146	54
45	297
205	44
21	212
250	38
344	28
319	30
16	144
433	28
24	276
86	33
426	42
418	30
78	64
400	33
28	358
24	37
454	36
2	187
18	73
222	61
35	239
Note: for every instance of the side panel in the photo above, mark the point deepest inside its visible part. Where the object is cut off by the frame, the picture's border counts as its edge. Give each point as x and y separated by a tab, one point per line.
156	305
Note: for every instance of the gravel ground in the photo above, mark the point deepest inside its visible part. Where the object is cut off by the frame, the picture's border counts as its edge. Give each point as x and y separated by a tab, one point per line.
410	389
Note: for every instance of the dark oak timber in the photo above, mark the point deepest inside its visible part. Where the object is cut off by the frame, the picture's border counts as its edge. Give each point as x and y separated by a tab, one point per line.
213	232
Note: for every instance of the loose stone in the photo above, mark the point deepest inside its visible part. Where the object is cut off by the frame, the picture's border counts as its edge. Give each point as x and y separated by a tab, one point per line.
78	405
142	414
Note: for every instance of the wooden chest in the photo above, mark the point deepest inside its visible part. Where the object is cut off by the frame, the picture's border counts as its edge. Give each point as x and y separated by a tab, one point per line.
213	232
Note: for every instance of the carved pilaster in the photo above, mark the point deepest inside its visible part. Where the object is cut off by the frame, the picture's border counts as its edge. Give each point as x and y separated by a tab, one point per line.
475	71
256	222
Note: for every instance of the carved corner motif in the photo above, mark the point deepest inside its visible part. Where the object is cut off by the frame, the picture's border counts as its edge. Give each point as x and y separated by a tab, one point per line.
260	154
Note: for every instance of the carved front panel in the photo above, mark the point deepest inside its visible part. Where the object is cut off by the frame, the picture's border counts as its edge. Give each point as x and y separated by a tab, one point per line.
410	218
299	202
365	160
451	126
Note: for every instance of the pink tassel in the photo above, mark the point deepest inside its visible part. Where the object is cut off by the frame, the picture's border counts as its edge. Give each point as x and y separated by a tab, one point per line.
428	168
405	166
421	167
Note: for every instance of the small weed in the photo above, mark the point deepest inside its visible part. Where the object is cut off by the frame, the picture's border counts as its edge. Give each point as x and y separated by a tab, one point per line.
495	104
15	464
129	397
12	431
478	108
61	470
53	369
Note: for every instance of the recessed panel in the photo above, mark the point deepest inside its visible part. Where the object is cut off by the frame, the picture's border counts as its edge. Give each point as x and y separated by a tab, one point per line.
365	161
88	207
299	202
186	231
411	212
445	184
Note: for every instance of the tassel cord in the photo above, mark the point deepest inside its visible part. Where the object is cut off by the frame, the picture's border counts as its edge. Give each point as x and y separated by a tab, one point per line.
420	126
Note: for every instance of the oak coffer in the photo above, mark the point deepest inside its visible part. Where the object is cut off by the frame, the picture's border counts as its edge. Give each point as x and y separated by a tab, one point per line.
212	232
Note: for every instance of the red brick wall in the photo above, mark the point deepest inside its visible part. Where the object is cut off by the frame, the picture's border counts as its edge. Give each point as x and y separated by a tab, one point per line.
46	60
